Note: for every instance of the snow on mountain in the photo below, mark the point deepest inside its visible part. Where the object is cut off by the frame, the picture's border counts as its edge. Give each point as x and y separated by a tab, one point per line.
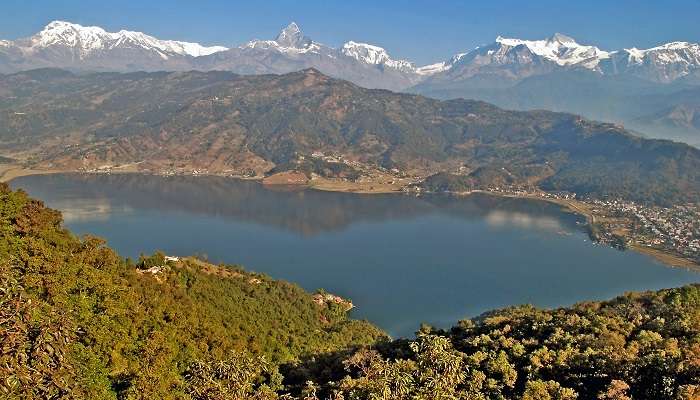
432	68
443	66
66	45
293	37
669	53
86	40
664	63
374	55
363	64
561	50
291	40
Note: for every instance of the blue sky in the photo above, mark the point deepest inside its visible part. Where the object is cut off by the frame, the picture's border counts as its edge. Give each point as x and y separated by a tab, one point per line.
422	31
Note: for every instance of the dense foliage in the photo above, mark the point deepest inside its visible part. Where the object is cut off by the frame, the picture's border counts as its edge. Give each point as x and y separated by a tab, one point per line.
481	178
79	322
638	346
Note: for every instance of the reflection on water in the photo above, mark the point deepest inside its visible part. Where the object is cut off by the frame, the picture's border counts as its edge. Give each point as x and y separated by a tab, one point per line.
523	220
306	212
86	210
403	260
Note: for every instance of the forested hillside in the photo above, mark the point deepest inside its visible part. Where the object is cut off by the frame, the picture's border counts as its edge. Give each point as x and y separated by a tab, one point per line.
222	123
79	322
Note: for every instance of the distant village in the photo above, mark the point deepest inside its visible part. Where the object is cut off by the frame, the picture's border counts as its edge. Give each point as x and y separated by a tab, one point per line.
675	230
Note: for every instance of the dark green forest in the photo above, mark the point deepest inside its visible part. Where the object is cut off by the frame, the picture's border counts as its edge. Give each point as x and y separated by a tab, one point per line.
77	321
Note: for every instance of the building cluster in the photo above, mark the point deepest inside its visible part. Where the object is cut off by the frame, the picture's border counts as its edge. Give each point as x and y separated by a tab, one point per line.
323	299
520	191
673	229
619	223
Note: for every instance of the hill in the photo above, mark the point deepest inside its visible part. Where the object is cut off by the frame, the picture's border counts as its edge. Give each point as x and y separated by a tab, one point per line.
658	110
79	322
224	124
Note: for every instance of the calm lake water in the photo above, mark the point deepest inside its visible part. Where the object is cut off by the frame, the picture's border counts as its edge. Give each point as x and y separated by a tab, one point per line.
402	260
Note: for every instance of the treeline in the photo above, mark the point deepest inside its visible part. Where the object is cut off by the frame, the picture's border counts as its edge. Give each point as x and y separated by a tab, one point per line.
79	322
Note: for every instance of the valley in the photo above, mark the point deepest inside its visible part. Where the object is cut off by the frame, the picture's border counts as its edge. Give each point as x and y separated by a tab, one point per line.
218	123
377	250
163	326
387	205
308	129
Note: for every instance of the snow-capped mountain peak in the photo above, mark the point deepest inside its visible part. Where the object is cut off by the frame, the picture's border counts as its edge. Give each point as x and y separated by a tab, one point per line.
682	50
433	69
374	55
560	49
562	39
292	36
366	53
291	41
70	35
664	63
85	40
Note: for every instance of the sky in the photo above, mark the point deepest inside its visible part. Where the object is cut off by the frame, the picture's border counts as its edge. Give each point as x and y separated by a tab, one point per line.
421	31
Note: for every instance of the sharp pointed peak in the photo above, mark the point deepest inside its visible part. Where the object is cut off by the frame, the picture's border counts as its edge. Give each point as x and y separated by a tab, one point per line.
292	36
293	27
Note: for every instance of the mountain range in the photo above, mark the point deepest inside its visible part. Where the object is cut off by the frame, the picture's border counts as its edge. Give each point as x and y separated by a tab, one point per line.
222	123
652	91
66	45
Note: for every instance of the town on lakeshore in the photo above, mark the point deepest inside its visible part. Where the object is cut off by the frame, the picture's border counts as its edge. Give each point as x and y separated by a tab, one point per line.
670	234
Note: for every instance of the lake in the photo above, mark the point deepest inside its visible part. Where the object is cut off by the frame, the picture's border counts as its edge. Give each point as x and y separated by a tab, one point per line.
402	260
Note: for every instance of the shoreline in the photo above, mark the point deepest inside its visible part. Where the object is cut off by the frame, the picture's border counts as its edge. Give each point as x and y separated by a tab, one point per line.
10	172
579	208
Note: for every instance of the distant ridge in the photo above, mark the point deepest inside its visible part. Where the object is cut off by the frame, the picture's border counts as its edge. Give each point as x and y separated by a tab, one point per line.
64	44
227	124
632	86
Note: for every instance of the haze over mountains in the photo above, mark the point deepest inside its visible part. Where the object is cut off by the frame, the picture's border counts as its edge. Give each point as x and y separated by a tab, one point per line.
222	123
653	91
66	45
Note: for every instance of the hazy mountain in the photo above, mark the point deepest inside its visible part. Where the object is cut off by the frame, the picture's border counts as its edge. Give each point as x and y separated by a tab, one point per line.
507	61
556	73
221	122
364	64
66	45
517	59
629	86
665	63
